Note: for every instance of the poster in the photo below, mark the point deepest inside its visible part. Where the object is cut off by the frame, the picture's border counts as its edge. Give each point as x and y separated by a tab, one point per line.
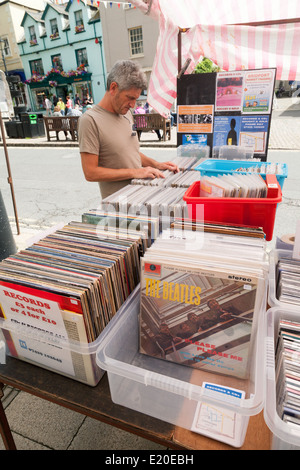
227	130
199	139
226	108
195	119
258	91
249	132
229	91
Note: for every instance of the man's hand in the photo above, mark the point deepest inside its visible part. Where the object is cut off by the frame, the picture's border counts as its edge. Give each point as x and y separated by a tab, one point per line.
146	162
167	166
148	172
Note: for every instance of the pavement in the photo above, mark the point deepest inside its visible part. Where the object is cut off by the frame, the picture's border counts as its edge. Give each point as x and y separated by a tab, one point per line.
40	425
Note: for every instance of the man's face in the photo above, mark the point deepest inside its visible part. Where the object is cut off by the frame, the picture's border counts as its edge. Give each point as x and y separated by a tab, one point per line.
123	100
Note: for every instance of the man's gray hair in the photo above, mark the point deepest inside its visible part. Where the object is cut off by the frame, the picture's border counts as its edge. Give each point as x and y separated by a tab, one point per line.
127	74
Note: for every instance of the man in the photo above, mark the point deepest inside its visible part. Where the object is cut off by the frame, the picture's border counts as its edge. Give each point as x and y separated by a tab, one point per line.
108	142
164	339
215	315
48	106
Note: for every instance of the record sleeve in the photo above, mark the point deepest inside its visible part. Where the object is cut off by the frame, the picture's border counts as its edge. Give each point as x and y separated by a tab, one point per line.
201	317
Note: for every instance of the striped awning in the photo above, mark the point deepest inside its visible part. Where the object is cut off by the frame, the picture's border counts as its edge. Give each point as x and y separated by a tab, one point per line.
235	35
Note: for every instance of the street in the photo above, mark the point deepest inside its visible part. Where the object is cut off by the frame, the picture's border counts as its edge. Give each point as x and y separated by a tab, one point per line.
50	188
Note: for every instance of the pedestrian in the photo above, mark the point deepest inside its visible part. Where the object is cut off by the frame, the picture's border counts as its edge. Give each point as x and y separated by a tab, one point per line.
88	100
57	113
76	111
77	100
108	143
48	106
61	106
69	105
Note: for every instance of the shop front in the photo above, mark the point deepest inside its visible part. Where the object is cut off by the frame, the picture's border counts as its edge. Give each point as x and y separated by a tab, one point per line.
58	85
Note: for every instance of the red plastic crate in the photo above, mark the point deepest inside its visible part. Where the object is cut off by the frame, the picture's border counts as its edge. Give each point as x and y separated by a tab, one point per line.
253	212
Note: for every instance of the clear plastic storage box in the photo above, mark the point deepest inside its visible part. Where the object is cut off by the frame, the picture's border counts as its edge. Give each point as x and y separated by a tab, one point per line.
232	152
273	300
173	392
73	359
285	436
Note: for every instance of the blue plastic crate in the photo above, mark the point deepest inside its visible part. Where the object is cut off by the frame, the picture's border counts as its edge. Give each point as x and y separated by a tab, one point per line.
216	166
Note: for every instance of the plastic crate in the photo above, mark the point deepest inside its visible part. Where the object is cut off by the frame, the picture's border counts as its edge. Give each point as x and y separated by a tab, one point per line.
169	391
254	212
243	211
273	301
215	167
72	359
234	152
285	437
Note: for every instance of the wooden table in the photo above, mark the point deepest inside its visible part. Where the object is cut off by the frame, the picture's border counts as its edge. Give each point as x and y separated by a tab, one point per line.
95	402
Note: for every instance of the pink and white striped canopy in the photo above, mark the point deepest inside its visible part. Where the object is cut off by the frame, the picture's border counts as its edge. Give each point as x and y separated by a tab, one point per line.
217	30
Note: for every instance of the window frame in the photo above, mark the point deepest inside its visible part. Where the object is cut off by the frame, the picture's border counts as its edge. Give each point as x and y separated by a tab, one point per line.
34	69
60	66
54	26
77	51
6	45
32	36
134	41
79	23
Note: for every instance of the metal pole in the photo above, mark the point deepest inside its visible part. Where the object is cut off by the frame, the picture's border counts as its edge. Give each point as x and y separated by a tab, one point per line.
9	179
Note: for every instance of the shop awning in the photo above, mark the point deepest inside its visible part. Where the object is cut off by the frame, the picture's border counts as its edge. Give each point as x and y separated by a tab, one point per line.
235	35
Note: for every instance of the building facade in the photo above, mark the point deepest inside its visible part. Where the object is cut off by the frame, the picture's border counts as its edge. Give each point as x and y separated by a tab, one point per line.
128	34
62	53
11	14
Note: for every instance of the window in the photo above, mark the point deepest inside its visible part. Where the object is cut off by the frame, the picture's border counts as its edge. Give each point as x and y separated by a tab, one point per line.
136	41
79	25
32	34
57	62
4	45
36	67
54	29
81	57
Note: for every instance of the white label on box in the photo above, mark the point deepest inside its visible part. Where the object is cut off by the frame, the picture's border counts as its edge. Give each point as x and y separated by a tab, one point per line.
28	310
218	422
46	354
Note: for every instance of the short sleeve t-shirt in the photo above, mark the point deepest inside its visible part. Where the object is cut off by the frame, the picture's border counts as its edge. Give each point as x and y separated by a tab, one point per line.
112	137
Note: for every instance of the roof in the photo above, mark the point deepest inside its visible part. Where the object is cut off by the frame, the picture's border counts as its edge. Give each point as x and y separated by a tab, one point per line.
60	9
37	16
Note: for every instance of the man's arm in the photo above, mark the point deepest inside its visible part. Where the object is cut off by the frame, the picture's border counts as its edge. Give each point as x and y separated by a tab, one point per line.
95	173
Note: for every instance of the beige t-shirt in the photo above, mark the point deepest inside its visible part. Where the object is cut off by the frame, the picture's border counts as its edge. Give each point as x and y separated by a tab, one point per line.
111	136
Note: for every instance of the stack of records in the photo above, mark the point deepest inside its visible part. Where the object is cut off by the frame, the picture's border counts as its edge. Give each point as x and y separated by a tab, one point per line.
287	366
288	280
187	162
235	185
214	227
152	201
148	227
84	272
183	179
201	298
